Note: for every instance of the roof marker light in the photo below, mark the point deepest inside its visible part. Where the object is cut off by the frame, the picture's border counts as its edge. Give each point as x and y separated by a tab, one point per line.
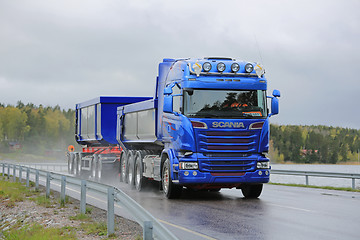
235	67
249	68
221	67
207	66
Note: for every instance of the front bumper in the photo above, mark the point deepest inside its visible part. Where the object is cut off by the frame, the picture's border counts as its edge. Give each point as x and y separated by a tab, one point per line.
188	177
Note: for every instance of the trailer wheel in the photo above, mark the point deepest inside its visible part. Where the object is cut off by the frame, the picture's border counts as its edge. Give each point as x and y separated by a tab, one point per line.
139	178
77	164
70	163
99	168
123	162
93	166
252	191
170	189
131	169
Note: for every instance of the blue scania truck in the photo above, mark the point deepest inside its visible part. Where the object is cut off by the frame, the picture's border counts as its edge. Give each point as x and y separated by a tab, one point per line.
206	128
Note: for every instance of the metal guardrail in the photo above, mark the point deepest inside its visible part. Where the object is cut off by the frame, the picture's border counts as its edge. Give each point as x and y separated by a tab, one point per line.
152	228
308	174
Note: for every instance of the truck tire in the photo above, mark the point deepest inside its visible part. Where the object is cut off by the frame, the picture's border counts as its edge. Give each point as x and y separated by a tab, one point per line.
93	166
122	170
170	189
99	168
131	169
252	191
77	164
71	163
140	180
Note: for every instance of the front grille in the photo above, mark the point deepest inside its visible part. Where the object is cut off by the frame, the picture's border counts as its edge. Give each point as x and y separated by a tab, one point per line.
227	141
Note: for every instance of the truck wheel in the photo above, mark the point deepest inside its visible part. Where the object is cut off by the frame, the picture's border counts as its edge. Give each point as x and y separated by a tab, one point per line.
252	191
99	168
71	163
139	178
131	168
170	189
77	164
123	162
93	166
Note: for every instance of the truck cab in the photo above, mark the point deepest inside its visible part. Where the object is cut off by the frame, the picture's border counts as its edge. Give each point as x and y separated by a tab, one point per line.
214	124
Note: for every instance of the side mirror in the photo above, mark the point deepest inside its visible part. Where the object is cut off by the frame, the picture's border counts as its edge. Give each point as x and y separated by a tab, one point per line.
168	90
168	103
276	93
274	106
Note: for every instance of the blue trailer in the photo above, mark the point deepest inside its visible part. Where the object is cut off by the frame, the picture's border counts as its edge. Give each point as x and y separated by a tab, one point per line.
206	128
95	131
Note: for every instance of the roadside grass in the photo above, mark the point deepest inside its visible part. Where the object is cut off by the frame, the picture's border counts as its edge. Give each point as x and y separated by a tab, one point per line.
36	231
12	192
319	187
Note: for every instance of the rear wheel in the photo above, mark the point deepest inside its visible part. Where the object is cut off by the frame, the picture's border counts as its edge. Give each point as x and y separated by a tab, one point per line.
131	168
252	191
98	170
139	178
93	166
71	163
77	164
123	162
170	189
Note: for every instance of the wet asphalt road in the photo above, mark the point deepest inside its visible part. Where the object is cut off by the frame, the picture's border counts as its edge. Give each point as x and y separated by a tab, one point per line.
280	213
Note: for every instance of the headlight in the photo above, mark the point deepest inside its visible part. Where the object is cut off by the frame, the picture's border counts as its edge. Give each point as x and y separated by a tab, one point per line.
207	66
221	67
263	165
235	67
188	166
249	68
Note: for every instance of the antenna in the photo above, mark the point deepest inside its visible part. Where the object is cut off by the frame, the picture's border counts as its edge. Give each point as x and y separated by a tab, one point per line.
258	48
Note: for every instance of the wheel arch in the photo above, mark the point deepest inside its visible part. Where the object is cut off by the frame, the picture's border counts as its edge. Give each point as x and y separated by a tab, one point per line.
168	153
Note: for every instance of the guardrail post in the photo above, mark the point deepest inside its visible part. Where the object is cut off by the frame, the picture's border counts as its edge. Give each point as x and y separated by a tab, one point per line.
14	172
20	174
48	178
28	177
148	230
110	212
63	187
307	179
37	180
3	169
353	183
8	175
83	197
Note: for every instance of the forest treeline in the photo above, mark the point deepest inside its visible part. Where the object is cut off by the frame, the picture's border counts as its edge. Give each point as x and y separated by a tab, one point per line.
314	144
39	129
36	129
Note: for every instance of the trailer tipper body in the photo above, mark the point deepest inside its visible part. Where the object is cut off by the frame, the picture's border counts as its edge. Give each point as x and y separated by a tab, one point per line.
206	128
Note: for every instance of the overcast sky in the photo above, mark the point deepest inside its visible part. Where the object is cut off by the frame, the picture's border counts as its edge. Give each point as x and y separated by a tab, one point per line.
65	52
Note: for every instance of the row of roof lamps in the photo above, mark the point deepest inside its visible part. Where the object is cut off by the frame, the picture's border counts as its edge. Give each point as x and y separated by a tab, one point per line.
221	67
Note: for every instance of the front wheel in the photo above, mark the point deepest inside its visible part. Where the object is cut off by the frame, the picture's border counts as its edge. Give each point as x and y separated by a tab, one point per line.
170	189
252	191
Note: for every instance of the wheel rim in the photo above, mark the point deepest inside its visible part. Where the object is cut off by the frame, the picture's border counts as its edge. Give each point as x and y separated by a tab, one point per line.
123	169
99	169
137	177
166	180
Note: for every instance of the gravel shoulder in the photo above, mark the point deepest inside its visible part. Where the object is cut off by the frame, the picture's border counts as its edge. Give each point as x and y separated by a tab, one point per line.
27	212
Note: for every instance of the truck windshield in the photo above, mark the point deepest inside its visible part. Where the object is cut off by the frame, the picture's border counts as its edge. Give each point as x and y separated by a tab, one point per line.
225	103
